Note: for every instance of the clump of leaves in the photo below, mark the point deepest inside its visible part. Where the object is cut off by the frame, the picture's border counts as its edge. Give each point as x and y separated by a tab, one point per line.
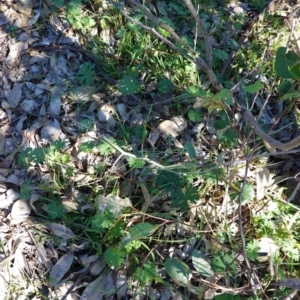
181	192
39	155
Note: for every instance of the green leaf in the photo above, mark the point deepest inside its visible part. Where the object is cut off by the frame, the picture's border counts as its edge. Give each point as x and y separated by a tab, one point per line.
30	155
87	147
178	9
168	181
291	250
248	193
26	191
114	257
146	274
178	199
99	168
133	26
220	54
290	96
85	124
86	73
224	263
201	264
190	149
253	88
128	85
292	58
178	271
105	148
58	145
70	171
191	193
223	94
295	70
195	91
135	162
285	87
140	131
87	23
58	3
137	232
164	85
102	221
55	210
280	65
116	230
252	249
195	115
231	297
163	32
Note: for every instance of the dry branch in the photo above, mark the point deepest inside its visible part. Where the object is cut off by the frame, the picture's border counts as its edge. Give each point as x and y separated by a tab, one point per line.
200	23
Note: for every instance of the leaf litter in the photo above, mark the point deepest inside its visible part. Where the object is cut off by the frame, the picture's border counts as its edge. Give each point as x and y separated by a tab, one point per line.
35	112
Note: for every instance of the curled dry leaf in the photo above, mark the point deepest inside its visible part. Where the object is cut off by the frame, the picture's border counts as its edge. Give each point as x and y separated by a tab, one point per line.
61	268
15	51
107	37
13	96
105	115
122	111
153	138
262	182
51	131
20	211
172	127
114	204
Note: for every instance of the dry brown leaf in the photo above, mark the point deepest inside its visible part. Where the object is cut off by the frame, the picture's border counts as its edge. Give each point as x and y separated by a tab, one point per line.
61	268
19	265
15	50
172	127
147	198
51	131
105	115
5	164
14	95
61	231
114	204
6	261
99	287
2	137
55	104
262	182
121	285
20	211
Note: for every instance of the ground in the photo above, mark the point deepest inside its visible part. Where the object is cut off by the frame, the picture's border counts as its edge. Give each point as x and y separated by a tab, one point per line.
131	164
